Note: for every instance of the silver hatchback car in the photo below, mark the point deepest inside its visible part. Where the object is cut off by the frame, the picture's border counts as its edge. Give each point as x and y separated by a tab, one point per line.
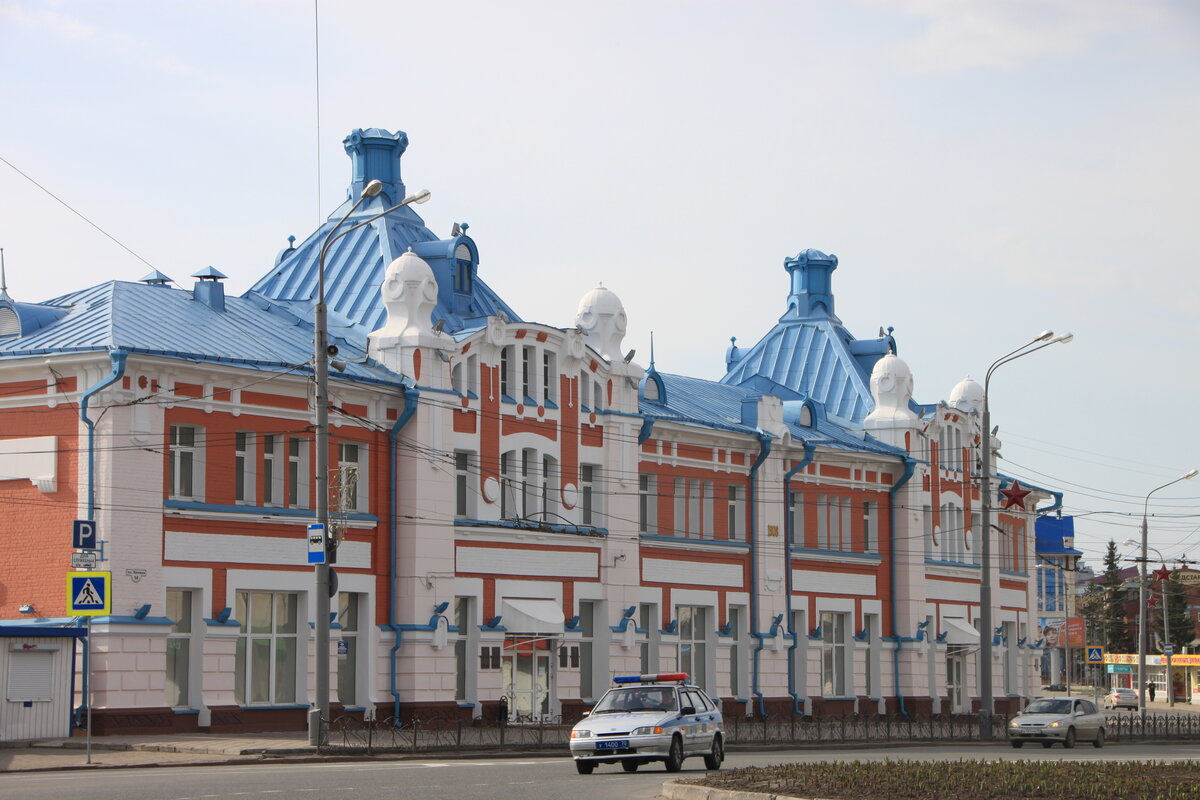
648	718
1058	719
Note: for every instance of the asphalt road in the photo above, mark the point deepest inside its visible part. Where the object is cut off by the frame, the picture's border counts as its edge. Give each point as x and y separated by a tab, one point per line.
538	778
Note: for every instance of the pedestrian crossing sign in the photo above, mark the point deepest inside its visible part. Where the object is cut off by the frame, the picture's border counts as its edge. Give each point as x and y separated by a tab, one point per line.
89	594
1095	655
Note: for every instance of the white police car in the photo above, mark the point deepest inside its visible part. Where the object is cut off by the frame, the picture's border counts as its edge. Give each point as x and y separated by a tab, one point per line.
648	718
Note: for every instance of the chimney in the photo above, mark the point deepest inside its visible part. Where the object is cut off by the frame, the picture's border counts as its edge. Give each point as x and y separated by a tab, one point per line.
209	289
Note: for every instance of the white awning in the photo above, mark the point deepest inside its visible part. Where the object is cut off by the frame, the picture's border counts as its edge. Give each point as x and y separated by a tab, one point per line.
959	632
531	615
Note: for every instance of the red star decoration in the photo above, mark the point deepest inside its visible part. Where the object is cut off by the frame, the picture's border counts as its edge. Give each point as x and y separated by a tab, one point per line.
1014	496
1162	573
1152	601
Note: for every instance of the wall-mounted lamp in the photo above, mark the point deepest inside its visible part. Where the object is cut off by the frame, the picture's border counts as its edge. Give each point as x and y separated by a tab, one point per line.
25	608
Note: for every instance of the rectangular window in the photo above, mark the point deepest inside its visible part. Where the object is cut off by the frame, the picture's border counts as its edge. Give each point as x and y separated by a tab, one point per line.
833	654
350	492
589	494
243	467
680	507
585	386
463	507
706	509
179	647
873	683
736	513
648	651
796	517
508	485
548	491
822	522
462	621
528	483
349	605
927	518
870	527
183	462
270	473
529	374
506	373
693	642
294	472
549	377
693	508
597	396
587	627
844	541
735	651
647	503
265	663
472	382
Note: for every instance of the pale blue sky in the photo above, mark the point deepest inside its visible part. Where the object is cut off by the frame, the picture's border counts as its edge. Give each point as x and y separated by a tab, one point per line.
982	170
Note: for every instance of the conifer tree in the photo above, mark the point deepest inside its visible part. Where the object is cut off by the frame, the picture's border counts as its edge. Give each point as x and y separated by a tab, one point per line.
1118	638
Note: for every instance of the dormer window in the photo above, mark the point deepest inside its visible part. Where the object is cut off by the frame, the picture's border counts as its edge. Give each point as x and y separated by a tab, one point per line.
10	325
464	270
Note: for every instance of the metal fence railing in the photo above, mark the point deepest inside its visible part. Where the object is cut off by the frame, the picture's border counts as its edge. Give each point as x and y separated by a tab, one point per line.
350	734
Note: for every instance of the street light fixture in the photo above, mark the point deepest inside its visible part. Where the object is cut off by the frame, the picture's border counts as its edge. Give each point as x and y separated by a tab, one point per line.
1166	624
1142	596
1042	340
321	354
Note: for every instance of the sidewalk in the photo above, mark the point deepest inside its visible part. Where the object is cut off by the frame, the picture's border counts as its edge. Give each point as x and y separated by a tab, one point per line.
148	751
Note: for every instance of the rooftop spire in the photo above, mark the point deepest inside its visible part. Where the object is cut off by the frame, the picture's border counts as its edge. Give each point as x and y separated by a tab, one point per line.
3	279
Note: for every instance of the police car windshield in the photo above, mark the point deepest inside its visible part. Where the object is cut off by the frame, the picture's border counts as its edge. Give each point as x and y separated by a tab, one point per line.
637	698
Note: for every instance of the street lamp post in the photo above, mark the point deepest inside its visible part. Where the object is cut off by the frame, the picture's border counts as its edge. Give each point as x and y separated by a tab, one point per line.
1166	622
1142	594
319	713
1042	340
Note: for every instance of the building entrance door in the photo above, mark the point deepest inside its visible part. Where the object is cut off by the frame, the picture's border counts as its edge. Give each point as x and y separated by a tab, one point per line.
525	666
954	680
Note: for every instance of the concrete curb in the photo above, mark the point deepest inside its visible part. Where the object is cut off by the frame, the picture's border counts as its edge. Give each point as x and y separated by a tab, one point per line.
673	790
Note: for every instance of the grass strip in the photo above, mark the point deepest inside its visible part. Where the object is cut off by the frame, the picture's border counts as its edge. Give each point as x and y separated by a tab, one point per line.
968	780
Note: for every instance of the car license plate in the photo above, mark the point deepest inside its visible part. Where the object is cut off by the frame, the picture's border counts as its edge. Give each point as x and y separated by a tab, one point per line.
613	744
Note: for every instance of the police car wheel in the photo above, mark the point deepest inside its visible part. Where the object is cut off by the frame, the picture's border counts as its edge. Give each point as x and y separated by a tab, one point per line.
713	760
675	756
585	767
629	766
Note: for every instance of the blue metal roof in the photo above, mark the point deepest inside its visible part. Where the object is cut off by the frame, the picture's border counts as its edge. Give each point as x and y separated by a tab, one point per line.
719	405
355	263
809	353
252	331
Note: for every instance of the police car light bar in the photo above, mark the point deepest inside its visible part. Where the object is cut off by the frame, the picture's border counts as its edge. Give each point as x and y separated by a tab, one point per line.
657	678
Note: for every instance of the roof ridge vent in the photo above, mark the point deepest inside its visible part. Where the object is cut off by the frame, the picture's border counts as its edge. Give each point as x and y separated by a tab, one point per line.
155	278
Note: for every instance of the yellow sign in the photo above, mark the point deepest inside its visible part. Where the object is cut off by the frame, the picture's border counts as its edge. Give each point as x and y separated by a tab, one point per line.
89	594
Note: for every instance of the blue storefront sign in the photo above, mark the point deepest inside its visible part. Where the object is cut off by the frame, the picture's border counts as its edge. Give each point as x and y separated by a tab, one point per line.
1123	669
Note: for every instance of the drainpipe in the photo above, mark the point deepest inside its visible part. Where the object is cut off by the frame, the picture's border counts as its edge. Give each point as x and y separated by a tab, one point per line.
117	357
909	465
410	408
764	449
118	370
1058	498
788	532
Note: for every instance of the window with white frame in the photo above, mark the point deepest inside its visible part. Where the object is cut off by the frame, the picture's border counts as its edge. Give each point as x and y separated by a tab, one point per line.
735	651
587	628
352	492
529	375
297	482
648	648
590	497
822	522
243	468
464	647
597	395
549	377
870	513
272	478
833	653
549	494
874	685
647	503
527	491
472	377
267	648
796	517
800	659
464	497
506	373
693	642
179	648
737	513
509	486
927	521
833	523
585	390
348	655
185	465
456	377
